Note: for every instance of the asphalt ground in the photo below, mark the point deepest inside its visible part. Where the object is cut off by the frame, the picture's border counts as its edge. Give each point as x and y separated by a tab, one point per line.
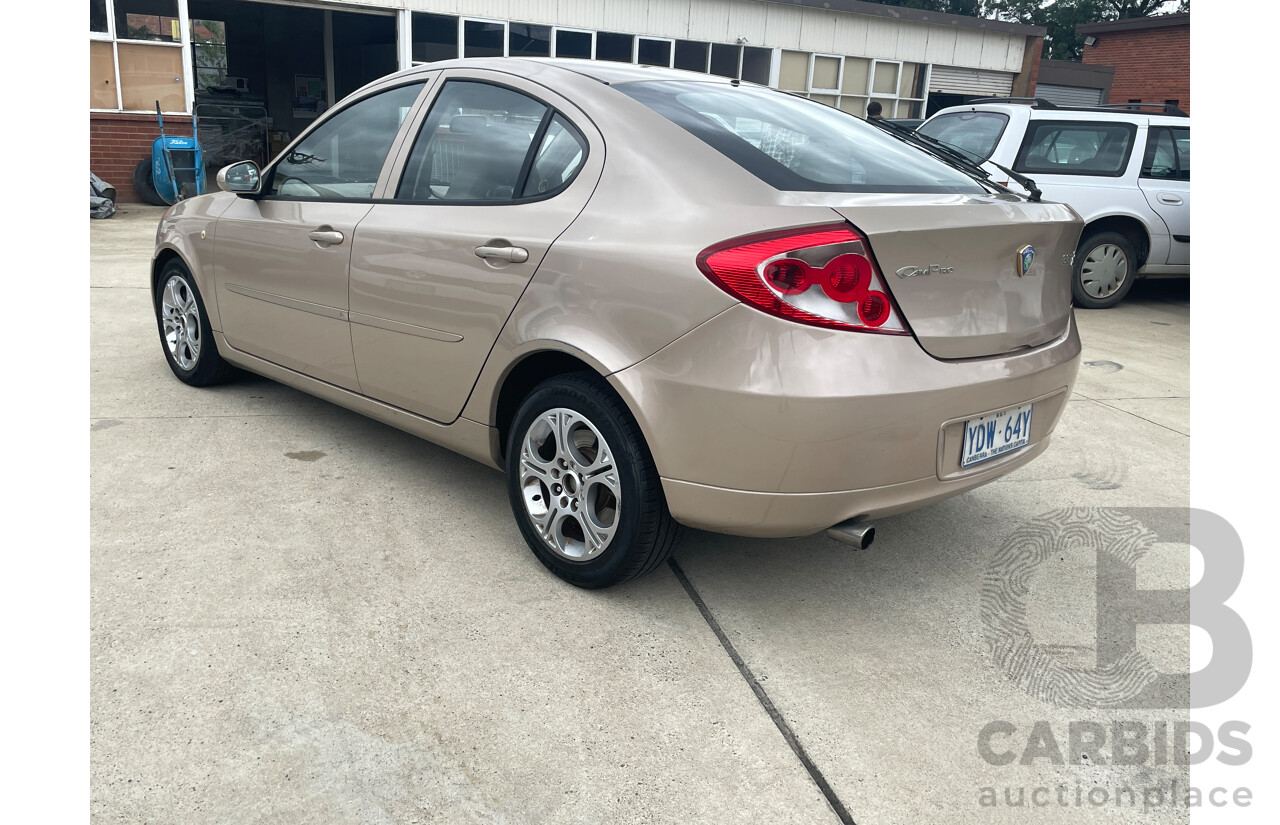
299	615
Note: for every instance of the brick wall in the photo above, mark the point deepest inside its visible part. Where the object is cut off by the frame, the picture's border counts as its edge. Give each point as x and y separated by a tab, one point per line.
1152	65
118	141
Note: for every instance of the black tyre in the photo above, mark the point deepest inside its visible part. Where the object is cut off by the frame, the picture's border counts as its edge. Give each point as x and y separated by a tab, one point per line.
143	185
185	334
583	486
1105	268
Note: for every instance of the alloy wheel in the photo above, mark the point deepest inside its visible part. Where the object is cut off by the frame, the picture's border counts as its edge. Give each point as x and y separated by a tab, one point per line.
569	484
181	318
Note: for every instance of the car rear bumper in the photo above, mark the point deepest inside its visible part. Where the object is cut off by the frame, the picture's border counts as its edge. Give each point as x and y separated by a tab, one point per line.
763	427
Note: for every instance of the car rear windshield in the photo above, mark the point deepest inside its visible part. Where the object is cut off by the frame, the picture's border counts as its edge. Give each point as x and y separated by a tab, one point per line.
796	144
974	133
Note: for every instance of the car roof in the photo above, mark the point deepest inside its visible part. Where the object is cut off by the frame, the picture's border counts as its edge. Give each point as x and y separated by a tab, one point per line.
1067	113
604	71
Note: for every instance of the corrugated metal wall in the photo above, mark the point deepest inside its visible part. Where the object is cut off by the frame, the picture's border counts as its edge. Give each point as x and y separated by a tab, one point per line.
761	24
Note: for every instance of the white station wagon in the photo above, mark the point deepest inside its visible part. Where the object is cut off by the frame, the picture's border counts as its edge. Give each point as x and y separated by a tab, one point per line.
1125	170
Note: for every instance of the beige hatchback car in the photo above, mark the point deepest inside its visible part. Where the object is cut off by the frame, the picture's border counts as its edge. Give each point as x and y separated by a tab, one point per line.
653	298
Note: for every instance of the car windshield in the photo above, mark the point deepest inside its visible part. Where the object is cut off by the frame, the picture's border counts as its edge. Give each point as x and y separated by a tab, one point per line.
974	133
796	144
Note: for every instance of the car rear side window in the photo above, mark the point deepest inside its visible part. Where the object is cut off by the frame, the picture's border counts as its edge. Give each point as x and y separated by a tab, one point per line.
796	144
486	143
343	157
557	161
974	133
1057	147
1168	154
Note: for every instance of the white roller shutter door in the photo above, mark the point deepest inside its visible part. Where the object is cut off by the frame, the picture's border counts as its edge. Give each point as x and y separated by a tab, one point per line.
1069	95
961	81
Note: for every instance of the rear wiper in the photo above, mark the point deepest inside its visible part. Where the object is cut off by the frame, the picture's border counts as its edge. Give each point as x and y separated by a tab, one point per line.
955	157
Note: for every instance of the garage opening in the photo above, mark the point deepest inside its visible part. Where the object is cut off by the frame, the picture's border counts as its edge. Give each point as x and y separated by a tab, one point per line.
264	72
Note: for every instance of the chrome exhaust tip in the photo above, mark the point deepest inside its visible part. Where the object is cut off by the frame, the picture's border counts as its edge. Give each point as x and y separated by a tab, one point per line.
857	534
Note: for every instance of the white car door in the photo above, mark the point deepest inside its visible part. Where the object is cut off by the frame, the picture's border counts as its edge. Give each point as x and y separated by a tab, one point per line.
1166	184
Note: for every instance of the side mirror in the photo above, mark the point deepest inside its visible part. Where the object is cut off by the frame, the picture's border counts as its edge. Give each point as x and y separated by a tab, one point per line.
243	178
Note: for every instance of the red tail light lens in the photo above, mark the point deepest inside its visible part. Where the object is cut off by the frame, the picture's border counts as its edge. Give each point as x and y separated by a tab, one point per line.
822	276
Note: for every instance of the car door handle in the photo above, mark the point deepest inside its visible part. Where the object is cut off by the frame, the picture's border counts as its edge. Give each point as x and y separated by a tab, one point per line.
326	236
1169	200
514	254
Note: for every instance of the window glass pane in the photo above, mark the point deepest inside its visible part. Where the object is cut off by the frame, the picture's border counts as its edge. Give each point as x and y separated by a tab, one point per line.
558	159
1161	160
97	15
527	40
975	133
573	44
793	72
435	37
825	100
756	64
912	109
102	76
856	70
147	20
886	79
886	106
826	73
691	55
724	60
151	73
854	105
472	145
1062	148
654	52
611	46
796	144
343	157
209	52
909	84
481	39
1182	144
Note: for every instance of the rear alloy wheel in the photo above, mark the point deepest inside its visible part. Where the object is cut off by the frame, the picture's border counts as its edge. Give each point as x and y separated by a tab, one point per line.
583	487
1104	270
185	331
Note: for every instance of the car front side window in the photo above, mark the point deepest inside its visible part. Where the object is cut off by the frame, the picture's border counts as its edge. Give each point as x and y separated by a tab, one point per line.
343	157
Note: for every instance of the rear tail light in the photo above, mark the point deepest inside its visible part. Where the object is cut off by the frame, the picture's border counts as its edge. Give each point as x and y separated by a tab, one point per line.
823	276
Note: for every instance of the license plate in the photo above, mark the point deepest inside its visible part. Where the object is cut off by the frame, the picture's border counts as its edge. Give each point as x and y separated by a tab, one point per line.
996	434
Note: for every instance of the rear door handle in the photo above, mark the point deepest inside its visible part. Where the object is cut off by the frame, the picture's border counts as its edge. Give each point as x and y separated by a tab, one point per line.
514	254
1169	200
326	236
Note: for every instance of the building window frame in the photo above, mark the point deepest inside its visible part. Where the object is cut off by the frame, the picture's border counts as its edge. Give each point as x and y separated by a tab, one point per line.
183	43
813	61
670	41
462	33
555	36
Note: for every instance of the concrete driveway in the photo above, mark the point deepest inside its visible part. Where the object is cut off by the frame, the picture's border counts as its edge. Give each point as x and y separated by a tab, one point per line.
303	616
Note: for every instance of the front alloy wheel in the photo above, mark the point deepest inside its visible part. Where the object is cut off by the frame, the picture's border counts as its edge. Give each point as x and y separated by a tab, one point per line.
184	329
180	319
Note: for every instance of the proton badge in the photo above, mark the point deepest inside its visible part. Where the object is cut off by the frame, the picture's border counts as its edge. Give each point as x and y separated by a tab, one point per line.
1025	256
